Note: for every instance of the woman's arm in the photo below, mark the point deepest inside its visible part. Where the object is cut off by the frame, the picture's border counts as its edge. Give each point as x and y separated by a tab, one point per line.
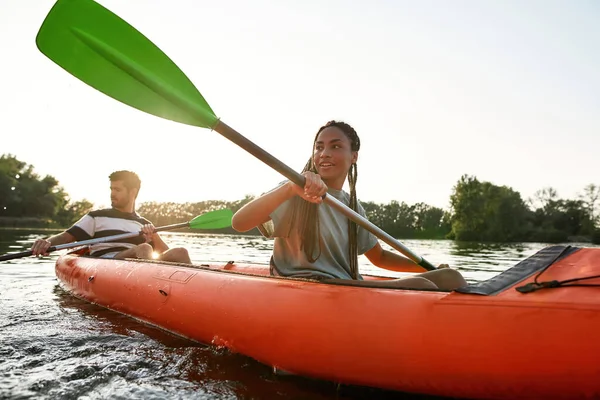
391	261
258	210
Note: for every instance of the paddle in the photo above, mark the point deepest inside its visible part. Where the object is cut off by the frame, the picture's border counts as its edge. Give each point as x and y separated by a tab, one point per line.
107	53
211	220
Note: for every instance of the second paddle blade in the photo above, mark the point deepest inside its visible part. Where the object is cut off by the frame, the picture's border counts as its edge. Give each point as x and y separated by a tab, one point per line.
107	53
213	220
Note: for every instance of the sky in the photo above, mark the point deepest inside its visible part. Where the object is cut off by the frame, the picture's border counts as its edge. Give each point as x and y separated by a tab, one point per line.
507	91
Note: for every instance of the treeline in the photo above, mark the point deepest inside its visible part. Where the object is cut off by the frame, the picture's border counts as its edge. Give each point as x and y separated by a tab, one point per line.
29	200
479	210
167	213
482	211
403	221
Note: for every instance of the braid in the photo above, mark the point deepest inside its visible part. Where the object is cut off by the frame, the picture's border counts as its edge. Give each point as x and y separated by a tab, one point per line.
306	213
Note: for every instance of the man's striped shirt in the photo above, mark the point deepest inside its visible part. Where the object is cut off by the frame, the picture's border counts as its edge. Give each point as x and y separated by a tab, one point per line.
108	222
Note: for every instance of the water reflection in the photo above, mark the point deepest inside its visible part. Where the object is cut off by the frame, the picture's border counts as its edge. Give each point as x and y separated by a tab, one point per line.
471	248
10	241
16	240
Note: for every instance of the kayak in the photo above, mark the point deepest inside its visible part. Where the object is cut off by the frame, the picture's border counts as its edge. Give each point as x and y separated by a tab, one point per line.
529	332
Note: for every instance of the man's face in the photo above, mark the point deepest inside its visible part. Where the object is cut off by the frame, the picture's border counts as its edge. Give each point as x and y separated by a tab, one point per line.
120	196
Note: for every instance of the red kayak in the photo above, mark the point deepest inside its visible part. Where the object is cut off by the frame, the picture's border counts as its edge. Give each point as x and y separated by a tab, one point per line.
529	332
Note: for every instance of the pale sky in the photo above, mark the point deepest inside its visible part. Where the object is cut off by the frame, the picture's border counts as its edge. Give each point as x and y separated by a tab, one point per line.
506	90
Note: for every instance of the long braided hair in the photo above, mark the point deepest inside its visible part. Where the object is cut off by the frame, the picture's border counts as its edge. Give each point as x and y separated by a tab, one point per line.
306	212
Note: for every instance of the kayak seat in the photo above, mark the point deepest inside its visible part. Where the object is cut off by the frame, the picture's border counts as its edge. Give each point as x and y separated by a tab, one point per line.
523	270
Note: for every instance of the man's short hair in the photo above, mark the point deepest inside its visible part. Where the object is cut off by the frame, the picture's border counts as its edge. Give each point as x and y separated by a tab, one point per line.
130	179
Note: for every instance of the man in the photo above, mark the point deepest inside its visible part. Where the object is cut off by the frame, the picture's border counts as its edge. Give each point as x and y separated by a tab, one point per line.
121	218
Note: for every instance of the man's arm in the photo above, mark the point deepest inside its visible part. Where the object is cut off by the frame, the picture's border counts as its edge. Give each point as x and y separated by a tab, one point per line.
41	246
159	245
150	235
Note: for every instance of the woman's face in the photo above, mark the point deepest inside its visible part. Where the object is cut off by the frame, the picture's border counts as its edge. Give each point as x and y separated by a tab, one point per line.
333	155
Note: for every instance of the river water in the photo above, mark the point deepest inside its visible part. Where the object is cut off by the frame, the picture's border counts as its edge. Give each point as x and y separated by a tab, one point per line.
55	346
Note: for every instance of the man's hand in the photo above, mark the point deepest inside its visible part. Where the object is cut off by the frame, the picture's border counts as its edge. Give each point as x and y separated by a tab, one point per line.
443	266
40	247
148	231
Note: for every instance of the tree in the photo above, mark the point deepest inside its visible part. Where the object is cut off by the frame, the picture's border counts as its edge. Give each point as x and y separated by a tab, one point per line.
72	212
486	212
11	172
430	222
590	197
543	197
555	219
467	204
373	212
25	194
405	221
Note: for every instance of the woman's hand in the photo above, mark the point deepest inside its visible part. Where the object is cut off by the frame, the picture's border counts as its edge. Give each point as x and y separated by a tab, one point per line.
314	188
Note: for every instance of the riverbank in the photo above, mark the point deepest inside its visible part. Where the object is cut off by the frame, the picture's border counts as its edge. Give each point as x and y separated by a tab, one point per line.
28	223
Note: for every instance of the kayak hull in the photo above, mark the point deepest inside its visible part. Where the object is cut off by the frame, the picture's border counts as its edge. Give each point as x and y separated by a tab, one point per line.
507	345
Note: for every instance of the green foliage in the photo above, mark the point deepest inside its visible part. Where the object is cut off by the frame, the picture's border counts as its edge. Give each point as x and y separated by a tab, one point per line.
558	220
34	200
25	222
590	199
484	212
68	215
596	236
403	221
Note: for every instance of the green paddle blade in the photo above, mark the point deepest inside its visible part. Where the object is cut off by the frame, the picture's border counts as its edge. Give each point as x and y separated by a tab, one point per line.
107	53
213	220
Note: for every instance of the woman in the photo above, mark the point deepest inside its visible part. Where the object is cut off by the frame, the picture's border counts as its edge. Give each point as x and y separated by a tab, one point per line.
314	241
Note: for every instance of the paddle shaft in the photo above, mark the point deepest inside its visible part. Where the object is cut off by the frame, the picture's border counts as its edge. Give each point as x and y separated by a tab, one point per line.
106	239
104	51
298	179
